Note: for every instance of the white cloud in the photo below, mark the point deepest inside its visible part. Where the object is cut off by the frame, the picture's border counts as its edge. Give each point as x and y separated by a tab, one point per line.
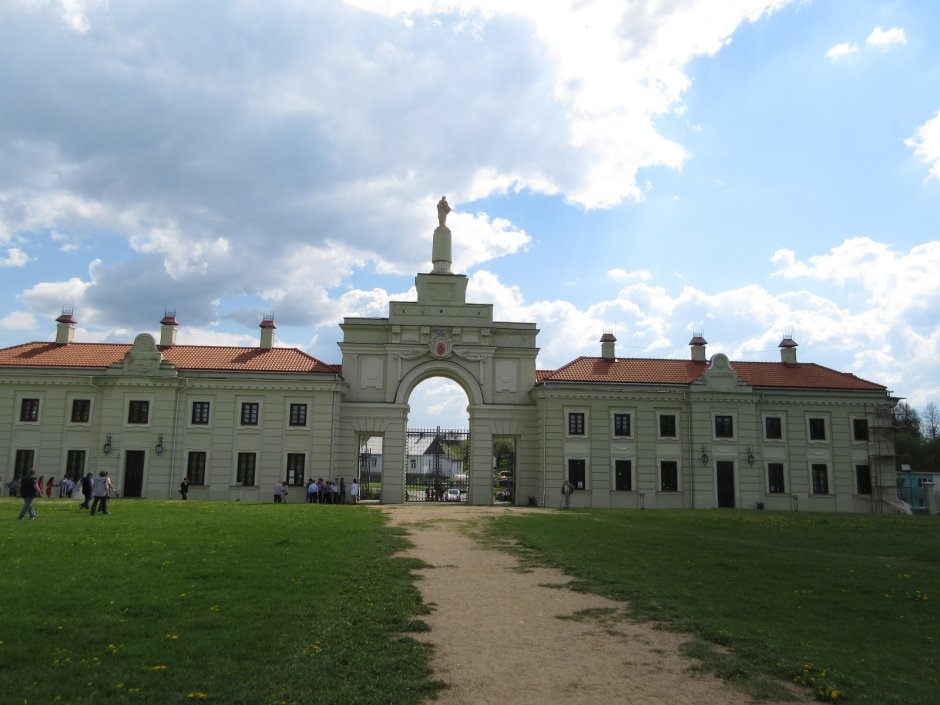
620	275
18	320
926	144
886	37
15	257
841	50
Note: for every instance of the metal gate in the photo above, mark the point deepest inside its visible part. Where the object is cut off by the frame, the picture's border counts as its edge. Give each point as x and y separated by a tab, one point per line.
437	465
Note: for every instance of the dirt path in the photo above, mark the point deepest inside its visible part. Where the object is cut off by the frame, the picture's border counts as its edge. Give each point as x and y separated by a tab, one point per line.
513	637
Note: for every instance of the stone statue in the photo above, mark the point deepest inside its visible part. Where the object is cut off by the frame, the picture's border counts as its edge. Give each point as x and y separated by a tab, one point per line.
442	210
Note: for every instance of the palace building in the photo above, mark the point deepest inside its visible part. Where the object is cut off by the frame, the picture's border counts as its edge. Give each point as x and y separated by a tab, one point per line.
627	432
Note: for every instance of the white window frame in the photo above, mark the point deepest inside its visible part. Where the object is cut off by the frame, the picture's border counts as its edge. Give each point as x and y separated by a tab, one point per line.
70	400
678	417
659	474
248	451
613	473
18	409
783	427
827	428
239	402
567	421
587	470
287	405
734	427
829	489
786	483
852	420
203	400
206	471
619	412
128	398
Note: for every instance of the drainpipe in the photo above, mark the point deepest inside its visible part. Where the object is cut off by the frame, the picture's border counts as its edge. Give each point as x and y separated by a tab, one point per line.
688	398
176	415
544	435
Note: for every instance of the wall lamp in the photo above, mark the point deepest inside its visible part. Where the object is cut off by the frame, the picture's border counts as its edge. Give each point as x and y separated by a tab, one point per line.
159	446
107	443
704	455
750	455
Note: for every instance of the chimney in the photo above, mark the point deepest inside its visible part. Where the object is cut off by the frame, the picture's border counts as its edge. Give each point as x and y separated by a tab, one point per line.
788	350
698	344
267	332
607	346
65	331
168	328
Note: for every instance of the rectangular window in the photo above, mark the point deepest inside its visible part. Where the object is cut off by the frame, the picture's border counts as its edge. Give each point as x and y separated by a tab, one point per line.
245	472
860	429
138	412
81	410
295	469
817	429
668	476
623	475
196	467
724	426
622	425
75	464
775	478
773	428
863	479
577	472
298	415
576	424
667	425
24	462
200	413
29	410
820	472
250	413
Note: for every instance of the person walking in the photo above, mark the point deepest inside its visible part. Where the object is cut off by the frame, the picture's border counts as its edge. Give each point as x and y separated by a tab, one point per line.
566	489
354	491
279	492
102	490
87	487
184	488
29	489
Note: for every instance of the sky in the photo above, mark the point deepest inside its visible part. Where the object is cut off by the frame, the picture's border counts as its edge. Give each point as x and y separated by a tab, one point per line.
743	169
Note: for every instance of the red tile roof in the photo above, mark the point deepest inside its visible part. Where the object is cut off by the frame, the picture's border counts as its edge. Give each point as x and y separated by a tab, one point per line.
684	372
184	357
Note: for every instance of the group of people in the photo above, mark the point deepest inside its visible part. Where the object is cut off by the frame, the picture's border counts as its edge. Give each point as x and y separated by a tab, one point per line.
44	487
96	490
321	491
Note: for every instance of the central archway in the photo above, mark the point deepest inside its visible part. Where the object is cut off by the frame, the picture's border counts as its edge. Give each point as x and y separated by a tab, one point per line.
437	444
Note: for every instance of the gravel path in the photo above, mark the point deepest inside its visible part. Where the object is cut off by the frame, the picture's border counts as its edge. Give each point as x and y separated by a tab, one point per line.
507	635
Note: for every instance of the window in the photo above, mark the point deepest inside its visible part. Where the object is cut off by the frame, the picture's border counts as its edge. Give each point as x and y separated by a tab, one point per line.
775	478
622	425
817	429
577	472
863	478
820	476
724	426
81	410
623	475
298	415
576	424
773	428
24	462
667	425
295	469
138	412
245	470
668	476
860	430
200	413
75	464
250	413
196	467
29	410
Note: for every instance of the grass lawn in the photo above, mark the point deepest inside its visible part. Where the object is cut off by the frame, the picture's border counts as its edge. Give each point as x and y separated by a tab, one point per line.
180	602
848	605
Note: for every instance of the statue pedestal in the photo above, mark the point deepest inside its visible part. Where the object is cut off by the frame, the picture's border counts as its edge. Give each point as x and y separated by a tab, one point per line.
440	250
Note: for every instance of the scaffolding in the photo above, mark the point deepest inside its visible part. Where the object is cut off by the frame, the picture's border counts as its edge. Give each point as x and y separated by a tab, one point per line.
882	460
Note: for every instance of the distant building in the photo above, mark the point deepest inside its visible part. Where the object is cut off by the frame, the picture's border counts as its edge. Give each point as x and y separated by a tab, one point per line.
628	432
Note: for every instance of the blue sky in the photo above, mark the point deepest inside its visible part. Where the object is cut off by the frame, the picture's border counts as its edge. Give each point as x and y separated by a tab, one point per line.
746	169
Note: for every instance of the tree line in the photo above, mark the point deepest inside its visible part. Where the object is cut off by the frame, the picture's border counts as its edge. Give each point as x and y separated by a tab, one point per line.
917	437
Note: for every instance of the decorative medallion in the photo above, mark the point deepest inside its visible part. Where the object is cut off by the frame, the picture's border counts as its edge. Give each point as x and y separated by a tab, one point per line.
441	345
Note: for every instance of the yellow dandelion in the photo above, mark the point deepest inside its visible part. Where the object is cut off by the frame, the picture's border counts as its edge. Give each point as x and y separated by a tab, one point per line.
160	667
214	608
172	636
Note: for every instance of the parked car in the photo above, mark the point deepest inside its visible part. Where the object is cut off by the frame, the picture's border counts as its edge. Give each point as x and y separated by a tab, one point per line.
452	495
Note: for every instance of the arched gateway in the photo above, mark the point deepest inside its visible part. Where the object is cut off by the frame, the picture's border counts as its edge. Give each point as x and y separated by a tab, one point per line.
439	335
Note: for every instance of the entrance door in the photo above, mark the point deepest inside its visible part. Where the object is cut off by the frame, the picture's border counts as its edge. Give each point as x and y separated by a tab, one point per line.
134	473
725	483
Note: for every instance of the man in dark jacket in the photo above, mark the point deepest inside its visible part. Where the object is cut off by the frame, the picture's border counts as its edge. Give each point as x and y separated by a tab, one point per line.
87	485
28	491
